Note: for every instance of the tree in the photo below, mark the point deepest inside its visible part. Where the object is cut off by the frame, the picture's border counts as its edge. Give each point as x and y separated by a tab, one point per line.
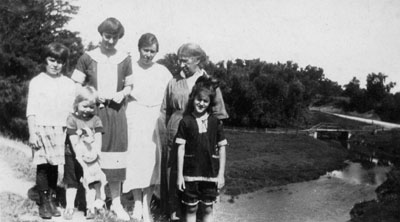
377	90
352	88
171	62
25	27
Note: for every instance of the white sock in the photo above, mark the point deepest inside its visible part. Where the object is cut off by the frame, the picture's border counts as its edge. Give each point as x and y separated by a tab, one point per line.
70	194
90	198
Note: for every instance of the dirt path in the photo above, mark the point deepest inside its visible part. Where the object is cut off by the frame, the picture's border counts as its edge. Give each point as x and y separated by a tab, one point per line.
10	184
385	125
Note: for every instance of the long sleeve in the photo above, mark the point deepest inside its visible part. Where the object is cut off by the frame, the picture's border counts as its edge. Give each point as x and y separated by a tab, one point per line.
219	109
33	97
166	109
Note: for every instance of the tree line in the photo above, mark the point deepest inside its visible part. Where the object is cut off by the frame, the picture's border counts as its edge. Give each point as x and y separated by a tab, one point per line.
256	93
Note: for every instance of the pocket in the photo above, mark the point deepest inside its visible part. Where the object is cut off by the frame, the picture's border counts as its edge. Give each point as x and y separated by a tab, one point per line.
189	164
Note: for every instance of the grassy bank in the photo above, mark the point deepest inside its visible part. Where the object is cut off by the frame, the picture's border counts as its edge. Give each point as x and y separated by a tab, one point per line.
257	160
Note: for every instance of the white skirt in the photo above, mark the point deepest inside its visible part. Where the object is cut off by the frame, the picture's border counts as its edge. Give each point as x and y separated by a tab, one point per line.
144	146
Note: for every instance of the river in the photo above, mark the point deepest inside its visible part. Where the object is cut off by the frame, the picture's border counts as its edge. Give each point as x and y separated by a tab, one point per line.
327	199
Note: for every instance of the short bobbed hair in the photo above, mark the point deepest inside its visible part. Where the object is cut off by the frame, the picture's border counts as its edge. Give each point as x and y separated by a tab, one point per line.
113	26
147	39
55	50
193	50
204	85
85	93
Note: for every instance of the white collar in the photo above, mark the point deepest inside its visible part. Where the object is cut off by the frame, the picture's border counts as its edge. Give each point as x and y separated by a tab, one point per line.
195	75
117	58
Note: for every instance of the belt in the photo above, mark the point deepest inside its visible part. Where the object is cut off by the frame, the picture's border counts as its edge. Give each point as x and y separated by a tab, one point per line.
111	104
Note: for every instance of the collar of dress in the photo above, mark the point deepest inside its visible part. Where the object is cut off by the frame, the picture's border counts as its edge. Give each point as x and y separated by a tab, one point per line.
196	75
99	57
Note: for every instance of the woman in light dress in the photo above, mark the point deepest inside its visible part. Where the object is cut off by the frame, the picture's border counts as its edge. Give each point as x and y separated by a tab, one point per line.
143	116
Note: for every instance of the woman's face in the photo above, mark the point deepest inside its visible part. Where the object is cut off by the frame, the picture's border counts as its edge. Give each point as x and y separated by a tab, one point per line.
108	40
189	65
147	54
53	66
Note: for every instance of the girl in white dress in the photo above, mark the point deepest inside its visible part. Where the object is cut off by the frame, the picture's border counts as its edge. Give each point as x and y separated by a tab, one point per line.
50	99
143	112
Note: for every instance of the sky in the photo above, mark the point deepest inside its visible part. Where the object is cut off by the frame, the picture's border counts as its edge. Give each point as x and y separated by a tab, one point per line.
347	38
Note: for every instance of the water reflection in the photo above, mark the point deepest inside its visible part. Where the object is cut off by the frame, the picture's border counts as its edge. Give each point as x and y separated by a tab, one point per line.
356	173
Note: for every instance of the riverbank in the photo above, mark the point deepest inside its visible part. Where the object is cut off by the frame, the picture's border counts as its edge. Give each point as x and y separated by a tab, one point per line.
254	161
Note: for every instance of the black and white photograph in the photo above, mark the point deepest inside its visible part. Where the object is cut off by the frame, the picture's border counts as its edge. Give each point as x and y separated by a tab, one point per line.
200	110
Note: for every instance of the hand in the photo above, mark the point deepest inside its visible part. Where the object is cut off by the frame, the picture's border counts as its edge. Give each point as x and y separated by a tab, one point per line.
180	183
101	100
34	141
221	181
118	97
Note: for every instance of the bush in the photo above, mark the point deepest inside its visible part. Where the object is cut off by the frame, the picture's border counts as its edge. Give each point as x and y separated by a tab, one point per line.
13	93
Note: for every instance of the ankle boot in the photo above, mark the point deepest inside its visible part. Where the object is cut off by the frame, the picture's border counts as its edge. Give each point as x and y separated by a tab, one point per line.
44	205
53	206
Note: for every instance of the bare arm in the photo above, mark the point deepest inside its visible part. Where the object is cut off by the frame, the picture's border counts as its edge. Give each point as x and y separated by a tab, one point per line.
222	162
181	153
33	138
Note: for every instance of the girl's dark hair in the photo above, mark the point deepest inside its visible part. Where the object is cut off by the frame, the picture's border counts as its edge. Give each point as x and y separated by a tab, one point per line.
204	84
57	51
113	26
147	39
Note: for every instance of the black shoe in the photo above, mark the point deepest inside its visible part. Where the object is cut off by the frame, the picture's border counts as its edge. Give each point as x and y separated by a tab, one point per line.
52	202
44	205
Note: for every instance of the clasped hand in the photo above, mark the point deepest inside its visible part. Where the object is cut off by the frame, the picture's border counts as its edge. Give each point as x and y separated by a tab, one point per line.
34	142
117	97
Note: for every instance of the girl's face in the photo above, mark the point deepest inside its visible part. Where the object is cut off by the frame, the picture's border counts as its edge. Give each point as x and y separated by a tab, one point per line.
189	65
53	66
86	108
108	40
147	54
201	103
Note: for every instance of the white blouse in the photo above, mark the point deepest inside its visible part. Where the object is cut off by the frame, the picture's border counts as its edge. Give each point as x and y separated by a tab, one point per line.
149	84
50	99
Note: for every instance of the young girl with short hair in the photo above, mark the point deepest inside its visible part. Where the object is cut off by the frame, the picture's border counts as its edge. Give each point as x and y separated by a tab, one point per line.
50	100
201	153
84	130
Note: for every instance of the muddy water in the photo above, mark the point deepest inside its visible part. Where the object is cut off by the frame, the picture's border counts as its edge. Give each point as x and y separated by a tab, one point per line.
330	198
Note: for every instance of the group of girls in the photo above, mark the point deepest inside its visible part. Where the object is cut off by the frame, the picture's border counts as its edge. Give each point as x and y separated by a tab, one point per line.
129	126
